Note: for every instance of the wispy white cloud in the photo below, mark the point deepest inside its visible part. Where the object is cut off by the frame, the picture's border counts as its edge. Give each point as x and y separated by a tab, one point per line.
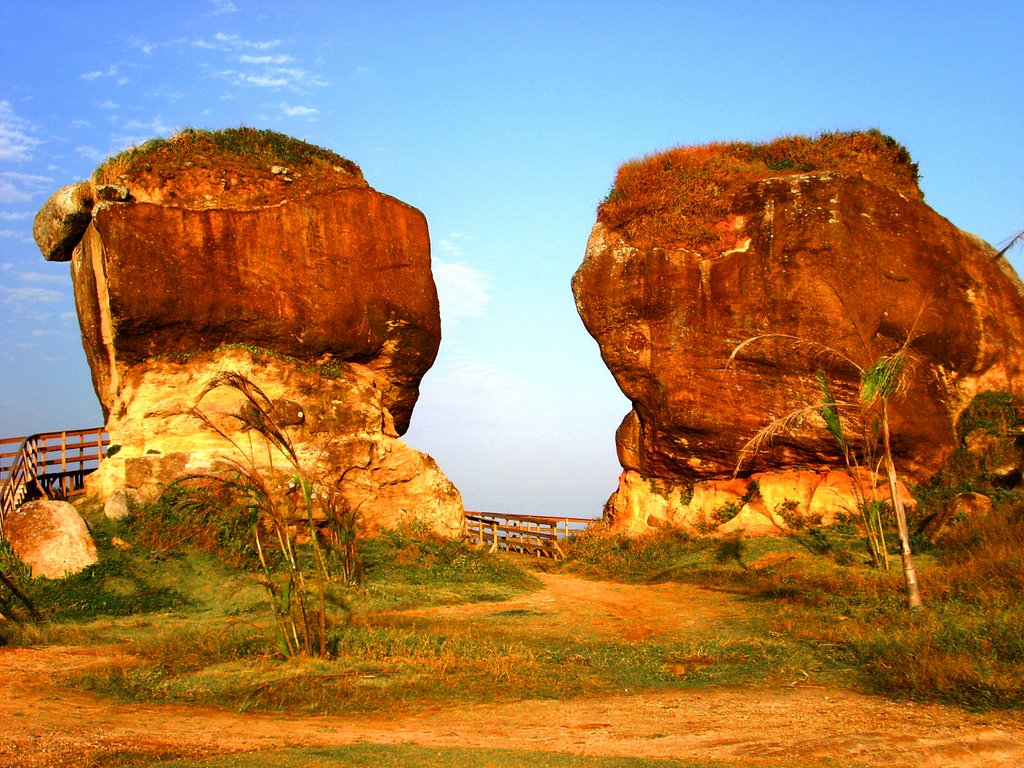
16	234
145	46
463	291
45	277
465	378
22	187
223	6
112	72
225	42
19	216
108	104
28	295
292	78
154	125
96	74
16	139
294	111
259	63
91	154
452	244
278	60
139	131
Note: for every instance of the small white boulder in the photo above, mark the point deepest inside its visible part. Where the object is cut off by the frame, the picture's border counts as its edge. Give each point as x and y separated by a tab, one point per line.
50	537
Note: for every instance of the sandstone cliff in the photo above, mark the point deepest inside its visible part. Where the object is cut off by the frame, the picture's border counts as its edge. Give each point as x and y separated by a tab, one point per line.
828	240
250	251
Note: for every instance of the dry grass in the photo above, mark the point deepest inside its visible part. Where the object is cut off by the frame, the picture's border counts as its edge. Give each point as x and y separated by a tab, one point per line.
966	647
682	197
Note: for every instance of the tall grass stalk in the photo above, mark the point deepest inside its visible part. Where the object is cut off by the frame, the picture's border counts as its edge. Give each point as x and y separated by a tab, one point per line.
298	596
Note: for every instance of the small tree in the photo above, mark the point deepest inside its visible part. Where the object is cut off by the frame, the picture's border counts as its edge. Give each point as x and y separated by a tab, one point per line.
880	382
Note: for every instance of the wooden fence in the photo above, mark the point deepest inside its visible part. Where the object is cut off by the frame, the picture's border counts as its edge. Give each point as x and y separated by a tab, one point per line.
50	465
535	535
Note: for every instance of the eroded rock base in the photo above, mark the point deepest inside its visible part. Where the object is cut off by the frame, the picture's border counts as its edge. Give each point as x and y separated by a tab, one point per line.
343	436
764	504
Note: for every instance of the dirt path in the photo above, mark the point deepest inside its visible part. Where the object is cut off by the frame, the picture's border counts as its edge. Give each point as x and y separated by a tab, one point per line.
45	724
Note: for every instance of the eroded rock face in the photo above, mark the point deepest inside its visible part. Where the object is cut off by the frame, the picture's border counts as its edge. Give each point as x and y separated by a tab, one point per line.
51	538
834	258
192	252
343	274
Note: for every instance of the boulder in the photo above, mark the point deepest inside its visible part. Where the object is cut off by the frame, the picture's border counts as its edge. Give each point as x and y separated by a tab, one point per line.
826	242
50	537
117	505
201	255
63	219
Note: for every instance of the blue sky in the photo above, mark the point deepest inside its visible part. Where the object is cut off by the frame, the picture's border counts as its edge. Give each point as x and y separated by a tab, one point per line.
504	122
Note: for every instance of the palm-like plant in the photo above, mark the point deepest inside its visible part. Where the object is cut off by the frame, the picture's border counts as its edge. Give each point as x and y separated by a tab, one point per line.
886	378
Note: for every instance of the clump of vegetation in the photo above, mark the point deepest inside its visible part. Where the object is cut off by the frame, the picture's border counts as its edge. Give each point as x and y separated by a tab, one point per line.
597	553
197	513
882	381
682	197
993	417
967	648
409	566
244	147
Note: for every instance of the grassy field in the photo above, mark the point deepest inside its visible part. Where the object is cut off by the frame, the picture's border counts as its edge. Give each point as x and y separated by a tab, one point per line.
202	632
182	612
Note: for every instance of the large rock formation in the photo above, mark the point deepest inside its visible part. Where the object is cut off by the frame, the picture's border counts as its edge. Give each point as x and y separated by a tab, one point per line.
828	241
248	251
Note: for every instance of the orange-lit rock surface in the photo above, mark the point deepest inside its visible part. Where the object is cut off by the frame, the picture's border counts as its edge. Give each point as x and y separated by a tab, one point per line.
699	249
250	250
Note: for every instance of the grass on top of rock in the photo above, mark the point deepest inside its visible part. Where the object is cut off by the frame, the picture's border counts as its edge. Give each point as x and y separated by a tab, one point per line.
246	147
331	369
682	197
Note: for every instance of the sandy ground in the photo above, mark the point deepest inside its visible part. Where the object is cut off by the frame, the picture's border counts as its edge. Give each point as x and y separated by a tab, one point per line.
46	724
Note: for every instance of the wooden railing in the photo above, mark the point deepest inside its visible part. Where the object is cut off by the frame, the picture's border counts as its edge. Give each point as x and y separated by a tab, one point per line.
536	535
50	465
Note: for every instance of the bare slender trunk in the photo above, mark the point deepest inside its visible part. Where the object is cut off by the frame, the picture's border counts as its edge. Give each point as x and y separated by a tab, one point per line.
909	571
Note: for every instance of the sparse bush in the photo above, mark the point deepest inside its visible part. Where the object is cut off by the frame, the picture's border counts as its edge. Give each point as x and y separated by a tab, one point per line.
652	557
